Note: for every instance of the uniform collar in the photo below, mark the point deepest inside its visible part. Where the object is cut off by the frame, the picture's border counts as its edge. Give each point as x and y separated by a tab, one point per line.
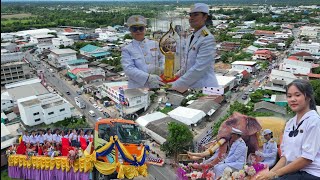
197	34
270	140
139	43
305	116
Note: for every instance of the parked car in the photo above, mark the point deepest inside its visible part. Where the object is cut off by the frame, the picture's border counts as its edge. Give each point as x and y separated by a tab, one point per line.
68	93
106	114
244	97
251	89
100	109
79	92
95	106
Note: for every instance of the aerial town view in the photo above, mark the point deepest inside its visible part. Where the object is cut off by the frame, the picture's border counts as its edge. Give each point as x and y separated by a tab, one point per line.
160	90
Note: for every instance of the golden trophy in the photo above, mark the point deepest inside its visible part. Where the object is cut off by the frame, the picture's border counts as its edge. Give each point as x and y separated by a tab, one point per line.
168	47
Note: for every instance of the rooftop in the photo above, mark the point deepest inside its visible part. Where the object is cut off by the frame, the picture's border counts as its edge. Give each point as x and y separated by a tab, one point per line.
27	90
129	93
286	74
160	126
207	106
246	63
77	70
30	102
89	48
77	61
271	107
63	51
225	80
186	115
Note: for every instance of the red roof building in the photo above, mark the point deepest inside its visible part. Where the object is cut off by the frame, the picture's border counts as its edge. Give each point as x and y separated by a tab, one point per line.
301	54
263	55
265	33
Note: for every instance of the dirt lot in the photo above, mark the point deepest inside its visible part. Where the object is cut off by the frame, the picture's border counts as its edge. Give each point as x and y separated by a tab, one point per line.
10	16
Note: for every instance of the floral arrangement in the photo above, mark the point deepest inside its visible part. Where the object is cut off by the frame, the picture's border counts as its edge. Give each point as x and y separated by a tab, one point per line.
72	156
29	153
259	167
11	151
250	170
186	171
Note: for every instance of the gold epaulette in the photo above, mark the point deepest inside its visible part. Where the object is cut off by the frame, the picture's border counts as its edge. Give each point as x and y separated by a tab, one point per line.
204	32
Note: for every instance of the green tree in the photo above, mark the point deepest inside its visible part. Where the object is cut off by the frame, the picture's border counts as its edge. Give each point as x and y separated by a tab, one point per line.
249	36
316	88
256	96
316	70
180	139
127	36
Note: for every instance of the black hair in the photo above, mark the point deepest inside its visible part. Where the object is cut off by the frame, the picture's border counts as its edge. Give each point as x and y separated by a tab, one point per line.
306	88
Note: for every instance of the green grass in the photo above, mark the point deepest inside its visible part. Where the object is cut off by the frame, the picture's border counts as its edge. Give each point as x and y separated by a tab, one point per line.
166	110
4	175
11	21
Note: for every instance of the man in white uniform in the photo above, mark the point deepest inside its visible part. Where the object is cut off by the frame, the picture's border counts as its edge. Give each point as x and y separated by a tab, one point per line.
269	152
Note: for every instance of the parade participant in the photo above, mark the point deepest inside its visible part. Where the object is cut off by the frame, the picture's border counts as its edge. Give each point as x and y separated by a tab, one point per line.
300	146
33	138
48	137
74	138
141	59
197	71
237	155
40	137
25	137
270	150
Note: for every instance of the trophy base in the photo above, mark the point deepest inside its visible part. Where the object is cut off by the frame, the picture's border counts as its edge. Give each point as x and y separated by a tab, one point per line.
168	80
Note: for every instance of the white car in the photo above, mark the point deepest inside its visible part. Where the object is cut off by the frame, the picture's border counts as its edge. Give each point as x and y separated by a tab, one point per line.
251	89
95	106
99	118
100	109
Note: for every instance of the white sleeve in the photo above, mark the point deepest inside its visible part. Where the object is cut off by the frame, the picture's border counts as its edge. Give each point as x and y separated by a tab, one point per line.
310	144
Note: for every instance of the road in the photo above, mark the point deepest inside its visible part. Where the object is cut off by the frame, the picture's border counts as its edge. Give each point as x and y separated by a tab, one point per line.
61	86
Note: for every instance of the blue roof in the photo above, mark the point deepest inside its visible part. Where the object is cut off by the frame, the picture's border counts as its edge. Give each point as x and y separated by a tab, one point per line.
89	48
77	61
99	54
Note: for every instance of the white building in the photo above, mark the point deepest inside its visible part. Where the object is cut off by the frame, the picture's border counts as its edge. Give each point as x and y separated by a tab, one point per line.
313	48
91	72
42	47
226	83
70	35
7	102
186	115
311	32
250	24
57	42
128	100
143	121
48	108
42	39
250	66
28	33
281	35
296	66
77	63
7	139
61	56
288	77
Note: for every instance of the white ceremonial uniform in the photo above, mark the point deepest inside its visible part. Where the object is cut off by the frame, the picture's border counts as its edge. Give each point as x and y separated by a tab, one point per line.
33	139
48	137
26	139
198	72
269	153
139	59
306	143
40	139
54	137
235	159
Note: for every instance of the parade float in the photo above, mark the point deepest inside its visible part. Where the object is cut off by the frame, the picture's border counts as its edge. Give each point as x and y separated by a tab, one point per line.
116	152
252	128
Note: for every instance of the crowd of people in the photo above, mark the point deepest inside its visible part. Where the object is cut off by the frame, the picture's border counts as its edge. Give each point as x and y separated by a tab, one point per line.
41	142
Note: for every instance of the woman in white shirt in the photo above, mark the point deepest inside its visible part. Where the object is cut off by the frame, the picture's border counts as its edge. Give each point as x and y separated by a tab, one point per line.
74	138
300	144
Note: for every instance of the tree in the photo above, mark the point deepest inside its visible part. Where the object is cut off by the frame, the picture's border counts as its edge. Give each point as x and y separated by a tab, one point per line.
316	70
249	36
127	36
256	96
316	88
180	139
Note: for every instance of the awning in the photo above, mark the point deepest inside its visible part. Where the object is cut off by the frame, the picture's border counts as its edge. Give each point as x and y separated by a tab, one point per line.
72	76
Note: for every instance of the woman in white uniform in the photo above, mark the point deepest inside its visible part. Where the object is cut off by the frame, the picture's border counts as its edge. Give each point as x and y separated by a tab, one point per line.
301	138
